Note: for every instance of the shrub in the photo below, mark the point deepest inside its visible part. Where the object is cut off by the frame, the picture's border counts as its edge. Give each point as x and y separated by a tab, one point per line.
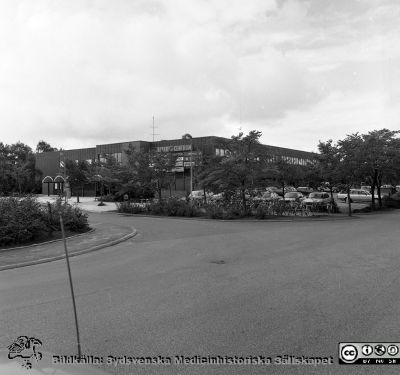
131	207
278	208
361	210
391	202
156	208
221	213
170	207
21	220
261	212
237	212
214	212
24	219
73	217
177	207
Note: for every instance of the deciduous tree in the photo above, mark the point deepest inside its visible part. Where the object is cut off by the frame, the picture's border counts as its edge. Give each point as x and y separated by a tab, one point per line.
350	167
150	170
241	167
329	164
43	146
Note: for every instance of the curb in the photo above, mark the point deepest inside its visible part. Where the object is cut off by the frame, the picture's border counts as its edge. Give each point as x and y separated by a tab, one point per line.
47	242
75	253
286	220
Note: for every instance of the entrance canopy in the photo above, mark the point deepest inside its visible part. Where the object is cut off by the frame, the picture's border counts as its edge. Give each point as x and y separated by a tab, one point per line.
47	179
59	179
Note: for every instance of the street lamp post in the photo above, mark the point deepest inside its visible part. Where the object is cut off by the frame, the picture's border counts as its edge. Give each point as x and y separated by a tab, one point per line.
62	165
188	136
99	179
66	187
191	165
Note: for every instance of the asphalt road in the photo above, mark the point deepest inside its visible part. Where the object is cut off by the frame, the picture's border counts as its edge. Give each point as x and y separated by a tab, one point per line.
198	287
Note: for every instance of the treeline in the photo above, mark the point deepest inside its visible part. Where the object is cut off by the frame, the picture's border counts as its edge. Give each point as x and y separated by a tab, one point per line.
18	172
372	158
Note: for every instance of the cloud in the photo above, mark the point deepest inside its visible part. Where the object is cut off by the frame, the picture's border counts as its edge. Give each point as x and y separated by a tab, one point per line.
336	116
78	73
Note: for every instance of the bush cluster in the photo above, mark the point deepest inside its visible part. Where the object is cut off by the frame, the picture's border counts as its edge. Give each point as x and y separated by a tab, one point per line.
222	210
170	207
21	220
129	207
24	219
391	202
107	198
261	213
179	207
73	217
214	211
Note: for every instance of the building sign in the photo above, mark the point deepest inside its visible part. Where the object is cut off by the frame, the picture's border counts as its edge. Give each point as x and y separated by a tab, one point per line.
187	160
174	148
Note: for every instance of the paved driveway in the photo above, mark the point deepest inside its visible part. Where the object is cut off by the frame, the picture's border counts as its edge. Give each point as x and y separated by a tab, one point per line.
193	287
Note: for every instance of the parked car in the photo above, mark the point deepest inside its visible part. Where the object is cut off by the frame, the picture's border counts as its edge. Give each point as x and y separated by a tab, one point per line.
395	196
317	198
327	189
305	190
278	190
366	187
274	189
235	196
386	191
293	196
217	197
289	189
356	195
267	196
198	195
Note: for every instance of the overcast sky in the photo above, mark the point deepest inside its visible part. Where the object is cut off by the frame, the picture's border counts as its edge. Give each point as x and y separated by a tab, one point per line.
77	73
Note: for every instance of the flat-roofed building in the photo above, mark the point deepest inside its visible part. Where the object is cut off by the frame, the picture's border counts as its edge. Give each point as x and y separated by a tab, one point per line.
188	152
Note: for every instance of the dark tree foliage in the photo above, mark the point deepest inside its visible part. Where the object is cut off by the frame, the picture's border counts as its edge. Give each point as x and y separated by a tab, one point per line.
108	175
241	167
43	146
149	170
329	164
379	154
17	169
204	177
373	158
77	173
285	173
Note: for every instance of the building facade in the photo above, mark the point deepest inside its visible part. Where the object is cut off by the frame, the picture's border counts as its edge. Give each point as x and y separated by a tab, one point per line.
187	151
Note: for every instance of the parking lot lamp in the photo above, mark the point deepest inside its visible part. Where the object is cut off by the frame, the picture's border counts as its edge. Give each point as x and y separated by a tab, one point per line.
188	136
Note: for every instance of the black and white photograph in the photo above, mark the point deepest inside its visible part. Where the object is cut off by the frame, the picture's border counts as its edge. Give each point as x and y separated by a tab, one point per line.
204	187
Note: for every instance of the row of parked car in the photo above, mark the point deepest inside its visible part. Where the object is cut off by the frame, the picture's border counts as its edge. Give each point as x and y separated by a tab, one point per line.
356	195
303	195
365	195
